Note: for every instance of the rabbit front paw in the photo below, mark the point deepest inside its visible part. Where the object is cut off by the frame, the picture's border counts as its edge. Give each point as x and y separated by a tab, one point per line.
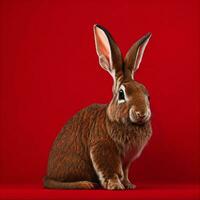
114	185
128	185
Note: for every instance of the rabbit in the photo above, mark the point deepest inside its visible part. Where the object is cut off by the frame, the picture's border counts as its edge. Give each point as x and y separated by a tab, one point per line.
98	144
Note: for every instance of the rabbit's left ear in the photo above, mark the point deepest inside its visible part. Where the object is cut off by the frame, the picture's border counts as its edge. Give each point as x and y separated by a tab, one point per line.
109	54
135	54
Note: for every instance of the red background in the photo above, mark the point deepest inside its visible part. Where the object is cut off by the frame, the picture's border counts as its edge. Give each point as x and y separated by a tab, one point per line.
49	70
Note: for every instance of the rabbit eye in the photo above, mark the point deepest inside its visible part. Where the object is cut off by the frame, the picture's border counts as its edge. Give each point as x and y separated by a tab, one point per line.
121	95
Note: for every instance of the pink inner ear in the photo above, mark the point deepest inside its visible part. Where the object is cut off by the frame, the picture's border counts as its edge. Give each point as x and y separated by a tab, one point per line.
103	44
103	49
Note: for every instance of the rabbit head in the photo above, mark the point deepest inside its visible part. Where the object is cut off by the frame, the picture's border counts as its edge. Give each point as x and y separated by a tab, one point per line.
130	102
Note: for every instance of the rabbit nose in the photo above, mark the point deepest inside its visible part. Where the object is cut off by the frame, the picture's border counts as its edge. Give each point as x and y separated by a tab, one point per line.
140	115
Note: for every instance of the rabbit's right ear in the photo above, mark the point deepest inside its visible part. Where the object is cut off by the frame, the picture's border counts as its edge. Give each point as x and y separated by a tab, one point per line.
110	57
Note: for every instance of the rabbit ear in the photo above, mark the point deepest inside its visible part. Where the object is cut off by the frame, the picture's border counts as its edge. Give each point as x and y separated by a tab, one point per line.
110	57
135	54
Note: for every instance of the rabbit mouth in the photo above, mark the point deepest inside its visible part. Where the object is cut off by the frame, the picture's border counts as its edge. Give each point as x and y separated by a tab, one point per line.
139	121
143	121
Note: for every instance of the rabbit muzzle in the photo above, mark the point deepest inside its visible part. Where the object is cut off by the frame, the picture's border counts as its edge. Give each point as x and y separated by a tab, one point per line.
139	116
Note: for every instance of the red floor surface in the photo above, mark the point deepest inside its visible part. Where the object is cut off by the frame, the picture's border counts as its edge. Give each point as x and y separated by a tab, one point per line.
142	192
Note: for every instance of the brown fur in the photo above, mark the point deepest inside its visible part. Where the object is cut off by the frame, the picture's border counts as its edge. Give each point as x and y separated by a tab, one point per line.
98	144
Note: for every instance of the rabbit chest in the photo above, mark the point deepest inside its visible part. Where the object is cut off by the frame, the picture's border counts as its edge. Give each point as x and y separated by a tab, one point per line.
134	144
132	152
130	139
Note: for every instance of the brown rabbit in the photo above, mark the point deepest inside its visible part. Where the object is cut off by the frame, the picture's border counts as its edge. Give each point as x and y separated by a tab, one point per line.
98	144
